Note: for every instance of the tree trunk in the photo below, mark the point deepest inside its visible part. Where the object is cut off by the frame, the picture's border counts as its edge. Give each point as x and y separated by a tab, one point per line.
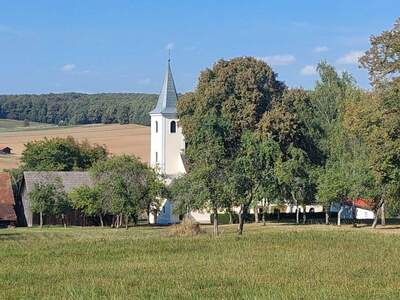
101	220
230	217
376	218
117	221
63	220
326	216
354	215
155	215
304	215
263	217
255	214
339	215
126	221
41	219
215	222
297	209
383	220
120	220
242	216
113	221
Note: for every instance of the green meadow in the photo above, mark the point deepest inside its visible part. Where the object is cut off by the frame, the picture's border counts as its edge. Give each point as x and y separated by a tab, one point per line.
271	262
9	125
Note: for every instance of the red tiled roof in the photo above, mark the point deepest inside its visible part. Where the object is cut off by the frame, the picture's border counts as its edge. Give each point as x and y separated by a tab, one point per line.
363	203
7	212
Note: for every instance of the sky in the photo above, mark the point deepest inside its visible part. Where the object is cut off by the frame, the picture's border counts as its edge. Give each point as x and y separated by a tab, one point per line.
122	46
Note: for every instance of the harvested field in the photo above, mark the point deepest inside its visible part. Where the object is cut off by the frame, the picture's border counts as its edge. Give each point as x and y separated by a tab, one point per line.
119	139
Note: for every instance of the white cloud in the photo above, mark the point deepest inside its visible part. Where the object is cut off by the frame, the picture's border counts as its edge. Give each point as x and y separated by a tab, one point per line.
308	70
144	81
68	67
169	46
279	60
350	58
321	49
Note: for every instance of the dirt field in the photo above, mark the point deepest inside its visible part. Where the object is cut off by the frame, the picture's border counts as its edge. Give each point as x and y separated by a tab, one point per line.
119	139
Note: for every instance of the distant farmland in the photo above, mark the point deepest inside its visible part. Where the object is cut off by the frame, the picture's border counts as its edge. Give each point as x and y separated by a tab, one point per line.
119	139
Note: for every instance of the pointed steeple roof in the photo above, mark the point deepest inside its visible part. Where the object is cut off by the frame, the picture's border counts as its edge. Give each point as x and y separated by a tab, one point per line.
166	103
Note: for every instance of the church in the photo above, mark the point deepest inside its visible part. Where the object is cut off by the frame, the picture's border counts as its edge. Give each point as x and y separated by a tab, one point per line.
167	147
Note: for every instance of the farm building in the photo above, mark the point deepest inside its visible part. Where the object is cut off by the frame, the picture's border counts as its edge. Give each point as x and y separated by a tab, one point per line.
7	212
5	150
69	180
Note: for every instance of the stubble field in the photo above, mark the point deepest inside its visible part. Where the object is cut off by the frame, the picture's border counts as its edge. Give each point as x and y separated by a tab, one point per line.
119	139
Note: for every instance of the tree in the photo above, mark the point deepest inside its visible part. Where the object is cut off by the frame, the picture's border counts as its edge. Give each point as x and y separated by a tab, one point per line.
229	100
129	184
252	169
58	154
293	175
89	201
48	198
383	58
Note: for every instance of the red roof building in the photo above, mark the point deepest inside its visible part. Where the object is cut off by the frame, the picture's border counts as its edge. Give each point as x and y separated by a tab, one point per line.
7	212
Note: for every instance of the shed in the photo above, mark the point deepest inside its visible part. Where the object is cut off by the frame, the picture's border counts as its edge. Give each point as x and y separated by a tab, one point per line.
5	150
7	212
70	180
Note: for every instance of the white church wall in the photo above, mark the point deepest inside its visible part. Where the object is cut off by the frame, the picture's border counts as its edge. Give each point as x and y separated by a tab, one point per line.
156	142
174	144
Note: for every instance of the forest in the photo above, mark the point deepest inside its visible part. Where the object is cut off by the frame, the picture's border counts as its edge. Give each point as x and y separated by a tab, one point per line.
78	108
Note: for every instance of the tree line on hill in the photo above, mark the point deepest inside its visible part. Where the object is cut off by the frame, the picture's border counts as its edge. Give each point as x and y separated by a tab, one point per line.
78	108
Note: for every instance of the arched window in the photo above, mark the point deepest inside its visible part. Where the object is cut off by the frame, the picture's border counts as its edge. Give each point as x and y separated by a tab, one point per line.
173	127
156	126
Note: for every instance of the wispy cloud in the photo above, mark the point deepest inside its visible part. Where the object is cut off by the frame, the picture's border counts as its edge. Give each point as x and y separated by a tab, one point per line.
68	67
321	49
308	70
279	60
350	58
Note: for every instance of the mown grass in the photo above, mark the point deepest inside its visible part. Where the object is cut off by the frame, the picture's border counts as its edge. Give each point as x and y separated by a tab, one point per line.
270	262
10	125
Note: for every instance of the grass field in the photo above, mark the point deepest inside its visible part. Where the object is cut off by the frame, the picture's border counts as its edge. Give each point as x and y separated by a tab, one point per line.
271	262
119	139
7	125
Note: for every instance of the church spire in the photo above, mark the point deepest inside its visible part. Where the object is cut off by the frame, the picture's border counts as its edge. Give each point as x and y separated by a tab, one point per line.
167	99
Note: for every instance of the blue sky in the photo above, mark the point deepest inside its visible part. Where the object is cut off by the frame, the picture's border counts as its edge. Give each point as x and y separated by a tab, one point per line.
120	46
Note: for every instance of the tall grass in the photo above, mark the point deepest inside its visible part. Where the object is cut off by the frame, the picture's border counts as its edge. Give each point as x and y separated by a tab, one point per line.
92	263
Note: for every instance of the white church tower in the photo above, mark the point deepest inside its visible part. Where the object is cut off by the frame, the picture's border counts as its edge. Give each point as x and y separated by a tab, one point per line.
167	142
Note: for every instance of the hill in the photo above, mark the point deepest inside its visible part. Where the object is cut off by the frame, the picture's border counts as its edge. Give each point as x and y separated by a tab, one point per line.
79	108
119	139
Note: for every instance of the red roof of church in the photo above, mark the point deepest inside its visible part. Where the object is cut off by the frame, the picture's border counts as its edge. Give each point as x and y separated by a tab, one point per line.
7	212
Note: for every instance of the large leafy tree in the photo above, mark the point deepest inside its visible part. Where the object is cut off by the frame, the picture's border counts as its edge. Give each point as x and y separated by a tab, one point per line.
251	172
130	185
49	198
89	201
229	100
294	176
59	154
383	58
